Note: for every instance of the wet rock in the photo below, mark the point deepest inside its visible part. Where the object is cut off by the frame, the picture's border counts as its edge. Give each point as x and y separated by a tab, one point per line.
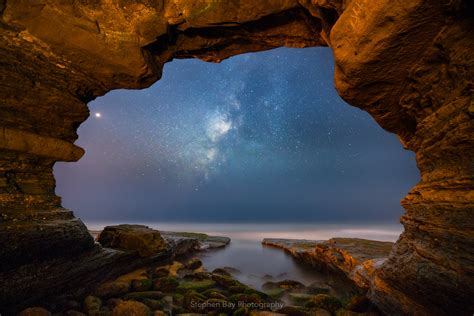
242	311
290	285
136	238
198	286
316	288
204	241
245	298
345	255
139	274
131	308
92	304
152	303
216	295
193	264
324	301
232	270
141	285
275	292
191	298
227	281
300	298
166	284
113	288
293	311
112	302
318	312
138	296
35	311
221	272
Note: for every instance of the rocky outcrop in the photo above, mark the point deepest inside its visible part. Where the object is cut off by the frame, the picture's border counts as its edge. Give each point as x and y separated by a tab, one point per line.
409	64
204	241
355	258
78	274
141	239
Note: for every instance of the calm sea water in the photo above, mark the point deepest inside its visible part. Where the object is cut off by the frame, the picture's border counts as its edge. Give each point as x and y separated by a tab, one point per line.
258	264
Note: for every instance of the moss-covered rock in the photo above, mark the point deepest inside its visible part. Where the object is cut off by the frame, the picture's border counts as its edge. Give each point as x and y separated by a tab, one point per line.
161	271
92	304
221	272
131	308
317	289
191	299
114	288
138	296
251	291
193	264
270	286
294	311
153	304
137	238
198	286
242	311
141	285
324	301
237	289
246	298
300	298
290	285
275	293
166	284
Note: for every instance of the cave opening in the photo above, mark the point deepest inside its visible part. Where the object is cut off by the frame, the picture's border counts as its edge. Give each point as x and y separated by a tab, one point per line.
259	138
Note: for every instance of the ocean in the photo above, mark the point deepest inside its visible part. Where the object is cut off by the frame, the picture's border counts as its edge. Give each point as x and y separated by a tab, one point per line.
258	264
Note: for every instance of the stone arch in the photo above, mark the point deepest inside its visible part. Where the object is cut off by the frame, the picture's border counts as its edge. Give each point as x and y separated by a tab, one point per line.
410	65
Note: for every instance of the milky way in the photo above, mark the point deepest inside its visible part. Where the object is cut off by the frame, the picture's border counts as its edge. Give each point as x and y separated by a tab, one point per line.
260	136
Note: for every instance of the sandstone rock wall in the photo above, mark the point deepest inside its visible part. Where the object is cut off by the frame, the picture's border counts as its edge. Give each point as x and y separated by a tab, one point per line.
408	63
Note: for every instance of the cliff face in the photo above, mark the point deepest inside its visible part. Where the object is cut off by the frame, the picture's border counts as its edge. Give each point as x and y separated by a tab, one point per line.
409	64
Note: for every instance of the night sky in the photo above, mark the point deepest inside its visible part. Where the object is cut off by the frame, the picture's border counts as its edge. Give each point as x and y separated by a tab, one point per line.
258	137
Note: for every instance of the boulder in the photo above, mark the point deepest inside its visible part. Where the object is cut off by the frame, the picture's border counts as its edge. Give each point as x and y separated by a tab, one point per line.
131	308
35	311
324	301
145	241
141	285
92	304
193	264
112	288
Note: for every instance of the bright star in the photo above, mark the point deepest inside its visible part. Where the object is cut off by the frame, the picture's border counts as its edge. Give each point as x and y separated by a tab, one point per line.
98	115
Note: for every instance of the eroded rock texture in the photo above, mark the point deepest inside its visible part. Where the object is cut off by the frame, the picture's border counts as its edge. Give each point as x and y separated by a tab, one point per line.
408	63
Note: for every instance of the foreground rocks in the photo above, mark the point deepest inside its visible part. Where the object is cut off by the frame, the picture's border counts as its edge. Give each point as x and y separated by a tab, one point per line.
184	288
78	275
355	258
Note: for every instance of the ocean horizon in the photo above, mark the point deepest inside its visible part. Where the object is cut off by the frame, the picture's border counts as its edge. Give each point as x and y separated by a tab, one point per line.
259	231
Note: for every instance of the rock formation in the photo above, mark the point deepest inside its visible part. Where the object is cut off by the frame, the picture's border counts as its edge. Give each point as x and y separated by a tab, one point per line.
409	64
354	258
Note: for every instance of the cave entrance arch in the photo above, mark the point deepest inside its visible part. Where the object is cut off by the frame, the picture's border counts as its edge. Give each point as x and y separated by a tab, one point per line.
410	65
